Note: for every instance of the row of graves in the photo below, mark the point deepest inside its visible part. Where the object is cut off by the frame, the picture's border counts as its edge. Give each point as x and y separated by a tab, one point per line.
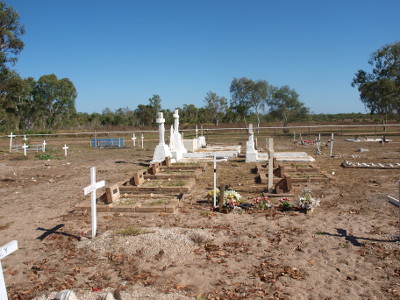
26	147
168	180
174	170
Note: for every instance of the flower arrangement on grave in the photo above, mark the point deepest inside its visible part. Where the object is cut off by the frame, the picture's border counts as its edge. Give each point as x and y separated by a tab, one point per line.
262	203
308	202
285	203
231	198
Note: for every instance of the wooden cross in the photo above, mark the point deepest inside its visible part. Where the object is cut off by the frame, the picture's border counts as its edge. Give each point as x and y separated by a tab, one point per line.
4	251
65	149
11	136
25	147
44	146
92	188
270	165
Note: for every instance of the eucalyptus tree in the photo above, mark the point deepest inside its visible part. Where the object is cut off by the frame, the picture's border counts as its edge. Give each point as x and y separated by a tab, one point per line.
380	89
215	107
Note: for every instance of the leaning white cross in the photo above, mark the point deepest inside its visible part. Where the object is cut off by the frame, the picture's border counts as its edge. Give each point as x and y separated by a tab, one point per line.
44	146
4	251
11	136
25	147
65	149
92	188
134	140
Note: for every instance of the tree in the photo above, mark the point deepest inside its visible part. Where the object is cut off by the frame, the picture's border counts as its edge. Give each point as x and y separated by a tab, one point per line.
380	89
284	104
55	100
215	107
247	94
10	32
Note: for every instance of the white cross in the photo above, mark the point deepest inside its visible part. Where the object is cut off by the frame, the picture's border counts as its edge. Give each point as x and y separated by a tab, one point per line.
24	147
134	140
25	138
4	251
44	146
142	140
65	149
331	146
92	188
11	137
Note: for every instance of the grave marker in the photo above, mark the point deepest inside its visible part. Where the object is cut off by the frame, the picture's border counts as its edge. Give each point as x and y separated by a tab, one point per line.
270	165
162	150
25	147
215	179
25	138
65	149
142	140
331	147
4	251
133	140
92	188
11	136
44	146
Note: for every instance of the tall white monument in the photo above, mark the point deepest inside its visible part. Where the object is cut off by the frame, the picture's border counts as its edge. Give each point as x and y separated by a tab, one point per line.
176	142
162	150
251	152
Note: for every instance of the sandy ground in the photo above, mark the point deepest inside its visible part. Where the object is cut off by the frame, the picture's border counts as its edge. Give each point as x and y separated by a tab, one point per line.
348	248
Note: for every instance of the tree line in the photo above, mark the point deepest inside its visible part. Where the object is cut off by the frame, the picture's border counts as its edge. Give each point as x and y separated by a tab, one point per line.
48	103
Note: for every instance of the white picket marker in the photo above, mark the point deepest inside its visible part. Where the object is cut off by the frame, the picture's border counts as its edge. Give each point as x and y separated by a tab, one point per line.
65	149
92	188
44	146
331	148
142	140
11	136
4	251
197	132
215	179
25	147
134	140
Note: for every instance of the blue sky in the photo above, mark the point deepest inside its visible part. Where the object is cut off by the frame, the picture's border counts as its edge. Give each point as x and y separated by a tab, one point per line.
119	53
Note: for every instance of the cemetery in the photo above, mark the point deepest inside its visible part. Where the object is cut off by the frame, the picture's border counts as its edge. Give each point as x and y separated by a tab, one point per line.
267	222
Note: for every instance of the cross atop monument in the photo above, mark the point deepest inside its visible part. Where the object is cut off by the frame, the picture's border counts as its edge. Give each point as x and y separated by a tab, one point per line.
160	120
176	120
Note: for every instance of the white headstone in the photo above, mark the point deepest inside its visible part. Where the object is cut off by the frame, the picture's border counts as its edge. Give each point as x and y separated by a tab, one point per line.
44	146
4	251
177	146
11	136
92	188
251	152
162	150
25	147
65	149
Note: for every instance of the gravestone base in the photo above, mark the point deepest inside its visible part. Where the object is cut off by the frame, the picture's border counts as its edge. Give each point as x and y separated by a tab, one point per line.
160	153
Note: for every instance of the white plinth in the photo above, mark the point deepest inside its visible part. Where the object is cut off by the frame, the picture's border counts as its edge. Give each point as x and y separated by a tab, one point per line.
160	153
